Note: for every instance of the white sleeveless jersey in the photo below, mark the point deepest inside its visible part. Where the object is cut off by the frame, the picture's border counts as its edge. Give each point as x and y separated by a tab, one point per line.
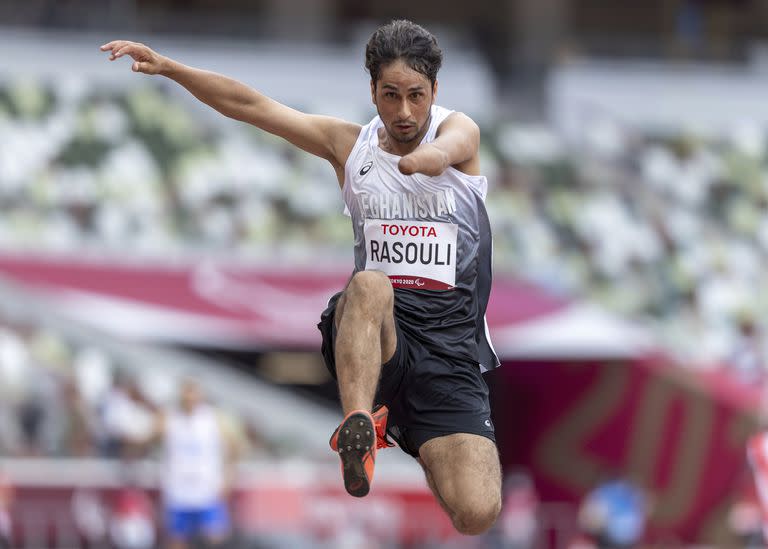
431	236
194	459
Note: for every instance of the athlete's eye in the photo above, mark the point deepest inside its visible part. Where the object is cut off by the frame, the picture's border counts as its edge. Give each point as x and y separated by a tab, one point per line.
390	95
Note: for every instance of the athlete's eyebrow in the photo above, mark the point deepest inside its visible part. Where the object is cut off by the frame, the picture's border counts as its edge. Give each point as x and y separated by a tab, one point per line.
415	87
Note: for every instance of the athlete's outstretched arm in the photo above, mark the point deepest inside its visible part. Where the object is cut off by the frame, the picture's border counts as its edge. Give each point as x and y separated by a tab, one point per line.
324	136
456	144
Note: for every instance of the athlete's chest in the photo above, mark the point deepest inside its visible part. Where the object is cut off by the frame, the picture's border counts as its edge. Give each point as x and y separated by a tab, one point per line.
377	190
407	223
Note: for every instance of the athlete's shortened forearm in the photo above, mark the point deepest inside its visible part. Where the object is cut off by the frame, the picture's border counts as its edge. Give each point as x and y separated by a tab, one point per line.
457	142
427	159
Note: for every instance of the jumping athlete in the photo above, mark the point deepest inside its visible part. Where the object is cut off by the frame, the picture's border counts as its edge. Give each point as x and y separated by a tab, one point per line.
408	333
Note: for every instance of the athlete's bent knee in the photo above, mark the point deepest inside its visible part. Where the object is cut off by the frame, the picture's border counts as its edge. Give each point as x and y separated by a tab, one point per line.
477	519
369	287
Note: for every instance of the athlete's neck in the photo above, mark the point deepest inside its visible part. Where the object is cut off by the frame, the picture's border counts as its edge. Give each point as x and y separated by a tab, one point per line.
401	148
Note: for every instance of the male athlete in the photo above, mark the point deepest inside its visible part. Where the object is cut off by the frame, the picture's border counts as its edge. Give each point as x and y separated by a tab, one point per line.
199	457
199	454
408	332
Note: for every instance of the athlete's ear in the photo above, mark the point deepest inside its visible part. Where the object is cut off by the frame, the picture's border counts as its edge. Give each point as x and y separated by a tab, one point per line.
373	91
434	90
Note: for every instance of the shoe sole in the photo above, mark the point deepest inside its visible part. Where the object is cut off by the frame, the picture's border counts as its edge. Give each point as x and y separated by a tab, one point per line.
355	435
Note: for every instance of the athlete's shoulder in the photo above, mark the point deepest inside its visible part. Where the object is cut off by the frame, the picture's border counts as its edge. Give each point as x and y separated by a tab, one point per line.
458	123
464	133
365	134
372	125
350	129
456	117
344	138
440	111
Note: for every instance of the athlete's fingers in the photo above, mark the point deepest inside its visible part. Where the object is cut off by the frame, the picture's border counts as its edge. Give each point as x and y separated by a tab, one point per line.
113	48
113	44
137	51
122	49
117	45
109	47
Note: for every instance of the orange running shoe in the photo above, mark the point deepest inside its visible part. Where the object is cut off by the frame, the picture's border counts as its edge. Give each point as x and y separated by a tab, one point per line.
380	414
356	440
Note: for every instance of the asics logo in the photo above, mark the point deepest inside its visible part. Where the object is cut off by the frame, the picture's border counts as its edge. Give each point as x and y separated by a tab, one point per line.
366	168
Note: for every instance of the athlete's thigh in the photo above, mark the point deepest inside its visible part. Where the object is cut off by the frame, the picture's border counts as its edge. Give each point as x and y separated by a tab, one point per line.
464	469
388	330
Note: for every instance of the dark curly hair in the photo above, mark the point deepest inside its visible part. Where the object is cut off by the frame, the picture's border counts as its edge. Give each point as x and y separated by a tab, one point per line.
402	39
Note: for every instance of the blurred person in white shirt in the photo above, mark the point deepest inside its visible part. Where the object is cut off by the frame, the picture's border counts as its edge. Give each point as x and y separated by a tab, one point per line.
197	474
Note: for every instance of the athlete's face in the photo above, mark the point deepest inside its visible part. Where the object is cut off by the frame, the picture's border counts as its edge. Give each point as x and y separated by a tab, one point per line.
403	98
191	396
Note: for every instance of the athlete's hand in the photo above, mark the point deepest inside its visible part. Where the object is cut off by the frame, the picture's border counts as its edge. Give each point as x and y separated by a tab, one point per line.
426	158
145	60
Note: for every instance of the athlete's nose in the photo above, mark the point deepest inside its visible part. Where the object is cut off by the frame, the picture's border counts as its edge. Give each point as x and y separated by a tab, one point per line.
405	110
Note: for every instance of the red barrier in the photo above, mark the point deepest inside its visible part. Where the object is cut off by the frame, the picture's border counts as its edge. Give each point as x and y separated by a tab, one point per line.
273	504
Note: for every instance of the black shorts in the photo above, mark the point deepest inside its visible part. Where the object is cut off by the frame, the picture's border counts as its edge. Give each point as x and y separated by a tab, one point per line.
428	395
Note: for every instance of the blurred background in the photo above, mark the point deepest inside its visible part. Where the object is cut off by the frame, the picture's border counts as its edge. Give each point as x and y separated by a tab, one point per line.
146	240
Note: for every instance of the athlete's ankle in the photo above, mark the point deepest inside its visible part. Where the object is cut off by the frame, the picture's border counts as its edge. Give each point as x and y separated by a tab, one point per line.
346	410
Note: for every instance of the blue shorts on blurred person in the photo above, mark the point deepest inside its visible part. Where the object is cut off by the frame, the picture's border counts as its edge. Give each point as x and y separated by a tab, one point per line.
210	522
